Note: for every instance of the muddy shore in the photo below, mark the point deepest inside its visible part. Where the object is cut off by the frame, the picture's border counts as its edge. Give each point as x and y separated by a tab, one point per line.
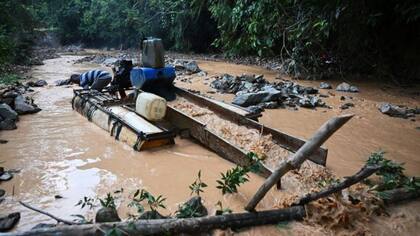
60	152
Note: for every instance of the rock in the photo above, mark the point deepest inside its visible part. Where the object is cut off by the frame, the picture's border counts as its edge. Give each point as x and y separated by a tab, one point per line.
202	73
345	87
310	90
107	214
346	105
2	141
394	111
22	107
10	94
249	99
8	222
8	125
8	101
7	113
310	102
248	78
41	83
44	226
192	66
6	176
271	105
151	215
62	82
324	85
196	206
2	192
255	109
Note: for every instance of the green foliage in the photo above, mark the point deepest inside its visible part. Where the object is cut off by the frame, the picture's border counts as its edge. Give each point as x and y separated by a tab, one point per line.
188	211
221	210
86	201
108	201
392	175
9	78
153	202
198	185
233	178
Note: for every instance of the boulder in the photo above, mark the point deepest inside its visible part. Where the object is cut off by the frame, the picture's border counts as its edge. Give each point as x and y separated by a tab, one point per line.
107	214
324	85
255	109
7	113
151	215
10	94
8	101
310	102
249	99
41	83
7	222
8	125
345	87
395	111
22	107
192	66
195	207
346	105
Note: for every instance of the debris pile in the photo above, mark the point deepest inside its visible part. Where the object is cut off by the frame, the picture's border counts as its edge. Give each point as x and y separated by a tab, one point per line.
13	103
398	111
254	92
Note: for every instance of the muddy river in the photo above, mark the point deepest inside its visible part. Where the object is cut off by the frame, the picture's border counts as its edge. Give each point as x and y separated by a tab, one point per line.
59	152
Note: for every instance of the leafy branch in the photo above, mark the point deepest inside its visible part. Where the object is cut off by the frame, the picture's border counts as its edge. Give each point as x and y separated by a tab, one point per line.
198	185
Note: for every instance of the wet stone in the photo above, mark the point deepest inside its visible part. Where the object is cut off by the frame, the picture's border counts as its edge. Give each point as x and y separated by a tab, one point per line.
345	87
9	221
2	192
196	205
22	107
2	141
395	111
107	214
6	176
346	106
10	94
8	125
7	113
324	85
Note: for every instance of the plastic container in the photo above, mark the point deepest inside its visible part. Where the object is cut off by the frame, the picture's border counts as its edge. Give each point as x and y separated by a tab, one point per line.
153	53
141	76
150	106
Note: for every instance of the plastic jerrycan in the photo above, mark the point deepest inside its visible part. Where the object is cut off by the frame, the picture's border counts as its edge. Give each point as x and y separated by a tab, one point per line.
153	53
150	106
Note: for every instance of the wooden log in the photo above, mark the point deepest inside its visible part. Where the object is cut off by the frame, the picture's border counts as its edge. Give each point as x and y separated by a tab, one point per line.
399	195
176	226
294	161
365	172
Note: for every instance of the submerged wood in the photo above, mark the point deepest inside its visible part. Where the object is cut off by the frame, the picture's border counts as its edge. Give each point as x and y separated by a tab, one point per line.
47	214
177	226
294	161
399	195
365	172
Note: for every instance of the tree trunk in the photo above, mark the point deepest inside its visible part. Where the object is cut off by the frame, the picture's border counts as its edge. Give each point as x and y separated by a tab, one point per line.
176	226
299	157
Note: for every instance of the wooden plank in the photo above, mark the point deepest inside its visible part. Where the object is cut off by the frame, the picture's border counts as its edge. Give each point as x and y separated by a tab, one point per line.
225	108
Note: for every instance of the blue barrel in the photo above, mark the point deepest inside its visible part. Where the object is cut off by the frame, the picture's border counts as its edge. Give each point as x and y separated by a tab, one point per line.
142	77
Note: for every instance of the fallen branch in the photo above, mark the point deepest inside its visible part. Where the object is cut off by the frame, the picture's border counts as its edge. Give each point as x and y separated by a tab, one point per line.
47	214
399	194
177	226
365	172
299	157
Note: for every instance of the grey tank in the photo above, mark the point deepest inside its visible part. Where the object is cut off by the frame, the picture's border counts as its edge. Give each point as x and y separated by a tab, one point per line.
153	53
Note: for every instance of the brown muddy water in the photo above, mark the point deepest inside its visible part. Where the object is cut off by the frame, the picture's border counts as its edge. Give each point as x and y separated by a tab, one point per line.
59	152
